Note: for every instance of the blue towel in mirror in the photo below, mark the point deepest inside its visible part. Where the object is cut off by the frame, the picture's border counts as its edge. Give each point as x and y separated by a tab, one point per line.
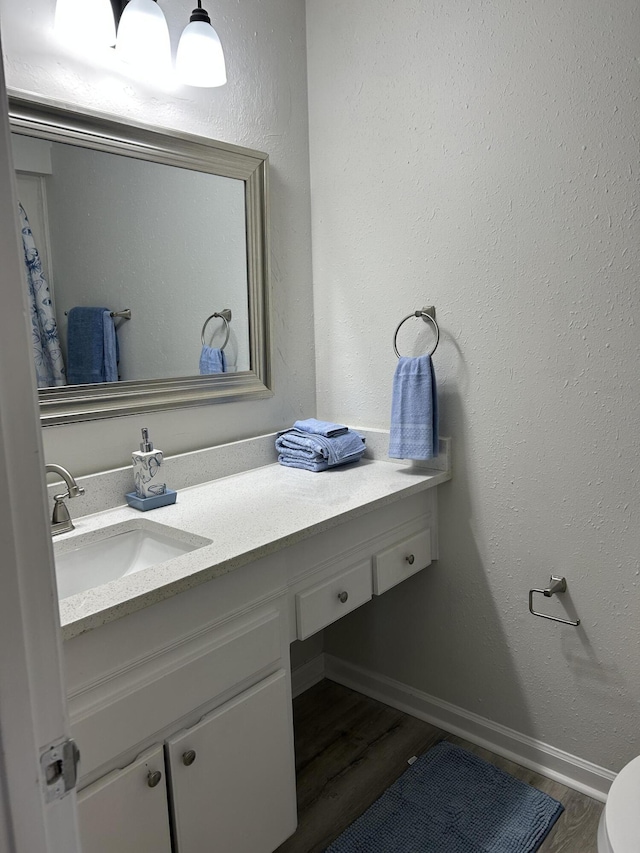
92	346
212	360
414	410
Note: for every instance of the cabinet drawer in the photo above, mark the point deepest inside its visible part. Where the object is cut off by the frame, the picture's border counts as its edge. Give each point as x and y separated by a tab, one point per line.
400	561
322	604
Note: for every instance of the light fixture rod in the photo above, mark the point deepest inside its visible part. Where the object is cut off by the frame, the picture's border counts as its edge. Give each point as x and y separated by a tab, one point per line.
200	14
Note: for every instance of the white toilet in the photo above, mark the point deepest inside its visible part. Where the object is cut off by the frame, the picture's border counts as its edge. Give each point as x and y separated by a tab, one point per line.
619	829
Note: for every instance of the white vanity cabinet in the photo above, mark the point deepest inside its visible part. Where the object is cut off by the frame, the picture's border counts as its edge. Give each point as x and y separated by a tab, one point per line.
205	672
223	784
197	687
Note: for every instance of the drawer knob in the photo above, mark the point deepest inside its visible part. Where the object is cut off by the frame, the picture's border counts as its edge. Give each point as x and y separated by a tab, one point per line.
410	559
153	778
343	596
188	757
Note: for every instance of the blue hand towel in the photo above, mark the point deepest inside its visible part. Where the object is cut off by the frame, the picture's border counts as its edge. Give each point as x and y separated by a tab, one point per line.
319	448
316	427
212	360
92	346
414	410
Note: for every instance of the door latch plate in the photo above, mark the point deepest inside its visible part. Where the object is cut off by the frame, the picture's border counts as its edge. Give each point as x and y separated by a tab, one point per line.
59	769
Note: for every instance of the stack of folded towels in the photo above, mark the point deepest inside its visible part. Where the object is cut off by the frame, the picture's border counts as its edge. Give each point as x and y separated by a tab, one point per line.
318	445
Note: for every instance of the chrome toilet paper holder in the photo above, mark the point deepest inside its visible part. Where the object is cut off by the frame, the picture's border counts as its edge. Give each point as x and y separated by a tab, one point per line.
556	586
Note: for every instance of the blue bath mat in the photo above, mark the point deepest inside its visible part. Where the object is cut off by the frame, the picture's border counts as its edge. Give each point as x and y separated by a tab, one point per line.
451	801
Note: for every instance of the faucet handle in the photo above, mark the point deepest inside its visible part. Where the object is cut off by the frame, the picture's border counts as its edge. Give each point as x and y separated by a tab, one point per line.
72	492
61	516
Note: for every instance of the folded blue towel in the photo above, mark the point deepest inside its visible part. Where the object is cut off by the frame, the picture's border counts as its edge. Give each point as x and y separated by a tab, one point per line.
309	465
212	360
92	346
414	410
319	448
317	427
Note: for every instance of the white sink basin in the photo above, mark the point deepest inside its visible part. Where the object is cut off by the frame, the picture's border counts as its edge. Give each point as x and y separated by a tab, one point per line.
120	551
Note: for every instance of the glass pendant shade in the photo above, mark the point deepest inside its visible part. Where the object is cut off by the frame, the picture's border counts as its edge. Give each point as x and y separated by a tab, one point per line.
200	59
85	23
143	36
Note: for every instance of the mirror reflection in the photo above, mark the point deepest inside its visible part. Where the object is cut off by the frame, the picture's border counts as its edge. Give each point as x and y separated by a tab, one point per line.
126	260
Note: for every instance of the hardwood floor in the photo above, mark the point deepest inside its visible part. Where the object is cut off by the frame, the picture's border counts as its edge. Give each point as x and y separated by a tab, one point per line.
350	748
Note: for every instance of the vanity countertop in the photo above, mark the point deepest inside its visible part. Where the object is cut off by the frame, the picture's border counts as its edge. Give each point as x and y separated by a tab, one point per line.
246	516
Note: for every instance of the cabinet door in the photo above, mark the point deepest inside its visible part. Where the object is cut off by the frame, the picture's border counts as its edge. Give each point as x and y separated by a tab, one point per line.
127	810
233	775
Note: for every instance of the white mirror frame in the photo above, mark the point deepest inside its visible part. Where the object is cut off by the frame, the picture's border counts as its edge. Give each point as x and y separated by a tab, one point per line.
48	120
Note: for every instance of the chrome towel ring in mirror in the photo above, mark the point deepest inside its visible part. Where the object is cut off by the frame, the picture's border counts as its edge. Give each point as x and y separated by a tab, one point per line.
429	316
225	316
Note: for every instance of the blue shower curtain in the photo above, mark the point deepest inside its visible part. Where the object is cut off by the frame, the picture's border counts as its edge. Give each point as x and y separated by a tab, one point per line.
47	355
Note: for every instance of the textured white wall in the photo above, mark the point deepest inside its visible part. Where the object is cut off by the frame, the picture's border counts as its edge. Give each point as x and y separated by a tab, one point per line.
263	106
483	157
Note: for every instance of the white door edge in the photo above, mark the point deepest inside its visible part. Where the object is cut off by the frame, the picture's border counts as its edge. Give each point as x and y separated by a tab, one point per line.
32	699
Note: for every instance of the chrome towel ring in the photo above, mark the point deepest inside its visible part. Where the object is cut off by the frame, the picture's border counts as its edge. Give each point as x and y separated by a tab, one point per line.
428	315
224	315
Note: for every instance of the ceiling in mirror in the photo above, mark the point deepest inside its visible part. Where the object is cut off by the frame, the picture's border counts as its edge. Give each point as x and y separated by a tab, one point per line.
134	239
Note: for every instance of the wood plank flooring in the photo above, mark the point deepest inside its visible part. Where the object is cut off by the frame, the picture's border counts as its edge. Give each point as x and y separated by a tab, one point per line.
350	748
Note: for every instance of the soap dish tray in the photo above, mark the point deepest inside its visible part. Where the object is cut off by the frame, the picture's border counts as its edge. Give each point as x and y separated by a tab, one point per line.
153	502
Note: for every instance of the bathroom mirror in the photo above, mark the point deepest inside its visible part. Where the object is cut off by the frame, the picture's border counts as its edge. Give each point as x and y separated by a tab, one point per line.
169	227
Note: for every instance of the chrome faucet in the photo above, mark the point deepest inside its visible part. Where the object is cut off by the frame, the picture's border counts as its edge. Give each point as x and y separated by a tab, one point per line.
61	520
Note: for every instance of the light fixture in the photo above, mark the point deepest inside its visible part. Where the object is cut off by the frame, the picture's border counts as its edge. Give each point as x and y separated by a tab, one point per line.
85	23
200	60
143	37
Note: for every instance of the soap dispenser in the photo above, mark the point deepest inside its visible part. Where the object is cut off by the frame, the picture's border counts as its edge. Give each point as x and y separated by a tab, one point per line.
150	491
147	463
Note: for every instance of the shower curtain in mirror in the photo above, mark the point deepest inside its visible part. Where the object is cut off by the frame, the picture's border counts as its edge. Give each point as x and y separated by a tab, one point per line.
47	354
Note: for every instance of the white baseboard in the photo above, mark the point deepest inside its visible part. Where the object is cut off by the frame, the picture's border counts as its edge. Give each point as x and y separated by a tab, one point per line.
569	770
305	676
